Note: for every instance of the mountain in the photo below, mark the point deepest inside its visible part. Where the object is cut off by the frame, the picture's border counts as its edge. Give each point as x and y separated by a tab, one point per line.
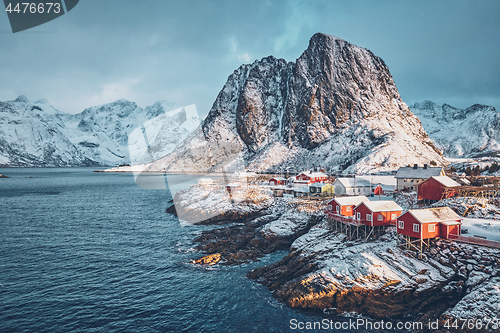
33	133
470	132
336	106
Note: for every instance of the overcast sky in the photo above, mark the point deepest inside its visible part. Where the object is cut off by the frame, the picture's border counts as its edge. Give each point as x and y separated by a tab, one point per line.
183	51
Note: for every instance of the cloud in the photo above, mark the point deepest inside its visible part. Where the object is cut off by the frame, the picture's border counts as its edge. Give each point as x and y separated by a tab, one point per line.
235	53
300	17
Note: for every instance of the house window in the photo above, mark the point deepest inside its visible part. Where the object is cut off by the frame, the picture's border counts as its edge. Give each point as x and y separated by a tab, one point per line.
359	190
432	227
338	209
369	217
348	209
330	207
401	224
393	216
380	217
416	227
358	216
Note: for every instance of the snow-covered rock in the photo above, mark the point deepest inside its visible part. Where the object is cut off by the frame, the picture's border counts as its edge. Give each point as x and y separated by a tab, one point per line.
337	106
33	133
479	125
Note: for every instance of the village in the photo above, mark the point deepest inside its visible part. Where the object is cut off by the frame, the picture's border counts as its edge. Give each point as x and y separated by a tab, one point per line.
364	209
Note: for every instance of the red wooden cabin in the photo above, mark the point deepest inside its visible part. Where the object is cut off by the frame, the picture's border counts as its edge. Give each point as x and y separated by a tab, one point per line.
308	177
277	181
429	223
345	205
377	213
432	189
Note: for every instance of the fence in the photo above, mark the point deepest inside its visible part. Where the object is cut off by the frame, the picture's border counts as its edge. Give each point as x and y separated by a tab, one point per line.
475	240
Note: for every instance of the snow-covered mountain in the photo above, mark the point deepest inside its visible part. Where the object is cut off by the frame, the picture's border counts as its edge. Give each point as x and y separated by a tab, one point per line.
474	131
336	106
33	133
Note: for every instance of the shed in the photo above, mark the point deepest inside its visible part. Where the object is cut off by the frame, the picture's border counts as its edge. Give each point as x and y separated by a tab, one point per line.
384	189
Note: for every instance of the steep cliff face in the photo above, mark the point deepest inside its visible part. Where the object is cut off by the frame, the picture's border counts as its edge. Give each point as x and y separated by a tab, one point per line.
337	106
479	125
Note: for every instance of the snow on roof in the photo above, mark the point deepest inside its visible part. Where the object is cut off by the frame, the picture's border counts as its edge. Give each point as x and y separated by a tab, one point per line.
419	173
233	185
446	181
382	206
318	185
313	174
438	214
278	178
348	201
349	182
302	189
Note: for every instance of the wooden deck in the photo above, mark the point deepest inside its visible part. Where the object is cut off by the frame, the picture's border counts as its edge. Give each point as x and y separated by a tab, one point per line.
475	240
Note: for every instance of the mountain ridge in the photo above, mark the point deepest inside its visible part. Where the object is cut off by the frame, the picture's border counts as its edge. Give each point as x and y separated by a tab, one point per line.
33	133
336	105
479	126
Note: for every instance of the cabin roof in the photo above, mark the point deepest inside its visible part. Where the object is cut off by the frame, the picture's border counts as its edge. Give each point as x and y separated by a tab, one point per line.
351	201
382	206
319	185
349	182
446	181
278	178
313	174
304	189
438	214
419	173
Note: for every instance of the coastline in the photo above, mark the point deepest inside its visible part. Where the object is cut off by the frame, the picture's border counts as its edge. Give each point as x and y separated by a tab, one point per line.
324	270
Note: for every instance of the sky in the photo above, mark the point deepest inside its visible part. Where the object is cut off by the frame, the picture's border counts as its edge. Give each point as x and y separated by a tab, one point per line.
184	51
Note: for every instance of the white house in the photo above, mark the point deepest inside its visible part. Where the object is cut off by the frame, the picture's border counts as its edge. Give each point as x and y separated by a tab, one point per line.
352	186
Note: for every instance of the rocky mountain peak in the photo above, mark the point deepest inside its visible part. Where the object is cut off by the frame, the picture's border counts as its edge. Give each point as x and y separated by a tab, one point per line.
22	99
335	94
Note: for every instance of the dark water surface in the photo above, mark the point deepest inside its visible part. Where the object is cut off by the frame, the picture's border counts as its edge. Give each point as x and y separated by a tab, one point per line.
93	252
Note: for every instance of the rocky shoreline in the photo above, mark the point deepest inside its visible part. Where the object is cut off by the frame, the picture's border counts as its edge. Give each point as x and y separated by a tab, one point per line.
325	270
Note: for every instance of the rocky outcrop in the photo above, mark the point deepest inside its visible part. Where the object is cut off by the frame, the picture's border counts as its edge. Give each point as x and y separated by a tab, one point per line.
336	106
379	279
326	270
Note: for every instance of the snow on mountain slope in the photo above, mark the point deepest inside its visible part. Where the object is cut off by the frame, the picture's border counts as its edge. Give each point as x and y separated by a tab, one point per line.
33	133
337	106
474	131
157	137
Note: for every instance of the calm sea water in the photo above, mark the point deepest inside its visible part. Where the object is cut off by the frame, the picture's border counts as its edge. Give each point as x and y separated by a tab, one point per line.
93	252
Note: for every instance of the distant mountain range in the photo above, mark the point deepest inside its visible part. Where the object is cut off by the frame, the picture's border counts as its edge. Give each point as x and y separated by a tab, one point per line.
33	133
336	106
470	132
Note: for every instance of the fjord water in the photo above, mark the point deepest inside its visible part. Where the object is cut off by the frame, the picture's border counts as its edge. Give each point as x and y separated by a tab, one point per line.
93	252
